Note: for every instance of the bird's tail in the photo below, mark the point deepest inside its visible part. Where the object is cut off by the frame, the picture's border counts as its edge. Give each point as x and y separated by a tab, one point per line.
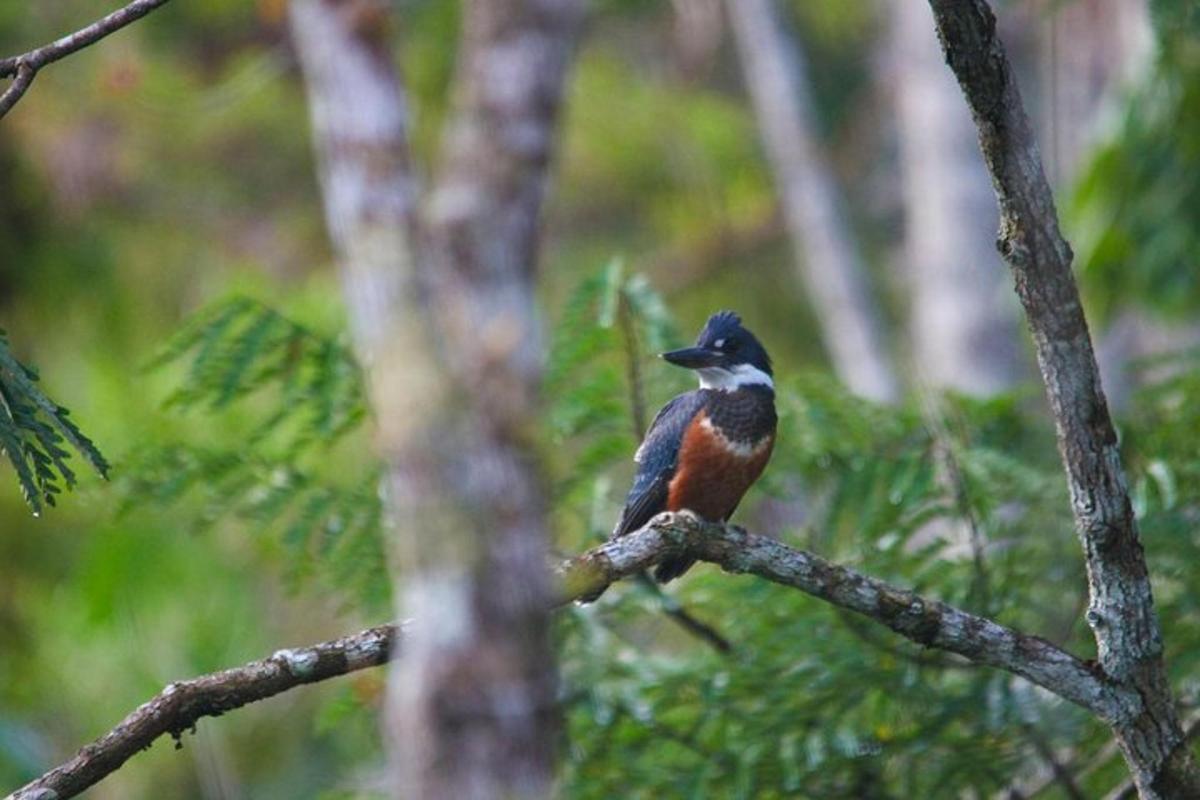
671	568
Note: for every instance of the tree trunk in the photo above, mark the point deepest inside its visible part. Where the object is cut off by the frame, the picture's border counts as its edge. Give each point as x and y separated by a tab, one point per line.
826	257
962	318
1121	609
443	316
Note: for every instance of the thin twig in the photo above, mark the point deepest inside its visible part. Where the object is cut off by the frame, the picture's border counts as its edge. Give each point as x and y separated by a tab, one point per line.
16	90
26	65
951	475
672	608
633	367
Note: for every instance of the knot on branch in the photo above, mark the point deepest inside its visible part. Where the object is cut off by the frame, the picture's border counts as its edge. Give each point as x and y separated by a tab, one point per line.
300	663
909	614
1012	249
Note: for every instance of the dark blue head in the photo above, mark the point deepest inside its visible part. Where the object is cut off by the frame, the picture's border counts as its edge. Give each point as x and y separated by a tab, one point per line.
726	355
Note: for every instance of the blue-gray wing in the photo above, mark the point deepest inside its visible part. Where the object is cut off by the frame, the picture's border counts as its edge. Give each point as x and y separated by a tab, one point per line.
656	460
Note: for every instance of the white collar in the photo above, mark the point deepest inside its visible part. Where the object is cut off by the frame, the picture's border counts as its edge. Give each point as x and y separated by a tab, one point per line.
729	380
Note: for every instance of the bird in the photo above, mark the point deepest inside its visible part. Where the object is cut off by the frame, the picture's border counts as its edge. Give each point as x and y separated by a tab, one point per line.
706	447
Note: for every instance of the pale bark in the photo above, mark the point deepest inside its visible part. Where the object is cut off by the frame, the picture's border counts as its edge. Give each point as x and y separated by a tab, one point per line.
1121	610
962	317
474	701
360	120
696	36
827	260
452	352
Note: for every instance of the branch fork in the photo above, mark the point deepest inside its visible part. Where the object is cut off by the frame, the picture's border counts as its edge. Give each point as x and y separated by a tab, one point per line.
22	68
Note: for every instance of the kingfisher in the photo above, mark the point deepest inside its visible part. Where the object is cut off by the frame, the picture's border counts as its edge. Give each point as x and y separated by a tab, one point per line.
706	447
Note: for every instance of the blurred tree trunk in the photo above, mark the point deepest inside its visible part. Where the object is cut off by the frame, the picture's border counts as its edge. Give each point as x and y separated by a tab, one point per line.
827	259
443	315
1090	51
696	36
962	316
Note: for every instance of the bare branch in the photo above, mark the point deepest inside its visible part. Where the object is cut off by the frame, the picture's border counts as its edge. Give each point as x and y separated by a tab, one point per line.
1121	612
180	705
928	622
16	90
26	65
925	621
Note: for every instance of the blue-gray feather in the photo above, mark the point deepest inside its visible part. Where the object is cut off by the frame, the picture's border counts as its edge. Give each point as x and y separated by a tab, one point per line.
657	459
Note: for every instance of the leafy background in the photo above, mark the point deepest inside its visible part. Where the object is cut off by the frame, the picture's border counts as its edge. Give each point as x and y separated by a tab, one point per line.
164	267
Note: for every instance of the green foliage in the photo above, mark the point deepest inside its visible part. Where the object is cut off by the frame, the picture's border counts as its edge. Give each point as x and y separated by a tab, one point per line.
168	164
241	346
34	431
280	473
948	499
1164	477
596	376
618	148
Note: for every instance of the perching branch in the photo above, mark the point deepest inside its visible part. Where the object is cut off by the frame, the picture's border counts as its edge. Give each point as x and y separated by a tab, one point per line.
180	705
1121	611
26	65
925	621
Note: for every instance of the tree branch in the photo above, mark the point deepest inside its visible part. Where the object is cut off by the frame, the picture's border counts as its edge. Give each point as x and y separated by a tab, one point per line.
925	621
26	65
1121	611
928	622
180	705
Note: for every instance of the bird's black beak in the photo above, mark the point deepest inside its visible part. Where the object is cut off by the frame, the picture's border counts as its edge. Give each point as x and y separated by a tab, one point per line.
694	357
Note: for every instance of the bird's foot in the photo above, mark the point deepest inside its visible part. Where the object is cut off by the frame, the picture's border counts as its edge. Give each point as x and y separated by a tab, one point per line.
683	518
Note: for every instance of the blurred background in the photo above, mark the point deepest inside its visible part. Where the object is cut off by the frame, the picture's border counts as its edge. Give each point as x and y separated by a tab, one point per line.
809	163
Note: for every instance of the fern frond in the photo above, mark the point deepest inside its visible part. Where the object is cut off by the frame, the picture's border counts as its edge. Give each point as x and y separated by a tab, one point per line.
241	347
330	530
33	429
